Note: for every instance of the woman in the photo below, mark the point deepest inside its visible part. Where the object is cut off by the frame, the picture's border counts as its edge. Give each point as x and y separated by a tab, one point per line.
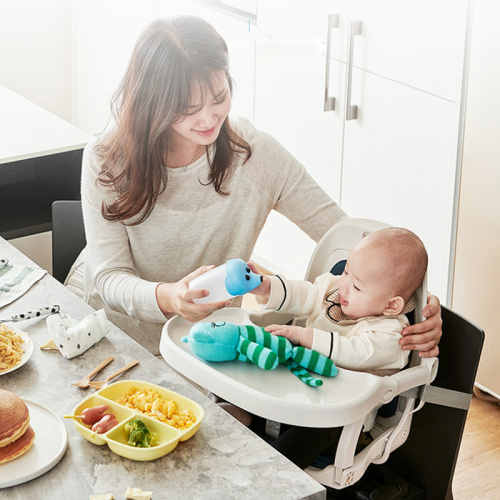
176	185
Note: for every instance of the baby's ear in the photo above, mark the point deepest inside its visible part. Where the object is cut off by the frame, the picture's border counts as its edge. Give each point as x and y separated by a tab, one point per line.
394	306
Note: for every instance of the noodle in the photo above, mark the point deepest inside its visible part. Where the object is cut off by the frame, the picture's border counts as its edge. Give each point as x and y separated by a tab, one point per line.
11	350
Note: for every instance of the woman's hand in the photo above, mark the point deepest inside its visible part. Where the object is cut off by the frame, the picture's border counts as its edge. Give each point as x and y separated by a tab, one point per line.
426	335
177	298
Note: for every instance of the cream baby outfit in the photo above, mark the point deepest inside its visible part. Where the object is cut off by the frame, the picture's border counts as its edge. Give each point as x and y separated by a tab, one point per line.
190	226
367	344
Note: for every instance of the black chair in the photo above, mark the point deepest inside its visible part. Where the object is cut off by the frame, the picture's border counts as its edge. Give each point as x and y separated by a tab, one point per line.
68	236
429	456
423	468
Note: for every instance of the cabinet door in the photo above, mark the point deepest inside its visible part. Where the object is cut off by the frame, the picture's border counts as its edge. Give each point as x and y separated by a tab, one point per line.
400	162
290	105
419	43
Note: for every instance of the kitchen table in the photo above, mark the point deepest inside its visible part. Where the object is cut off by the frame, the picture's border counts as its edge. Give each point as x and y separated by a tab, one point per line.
222	460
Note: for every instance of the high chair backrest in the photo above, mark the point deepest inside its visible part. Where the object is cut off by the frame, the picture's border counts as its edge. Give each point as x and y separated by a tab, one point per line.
336	243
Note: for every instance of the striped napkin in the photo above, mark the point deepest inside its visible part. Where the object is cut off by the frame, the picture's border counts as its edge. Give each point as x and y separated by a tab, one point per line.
16	280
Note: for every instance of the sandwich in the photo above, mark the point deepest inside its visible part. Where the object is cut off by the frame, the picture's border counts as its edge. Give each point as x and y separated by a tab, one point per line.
16	434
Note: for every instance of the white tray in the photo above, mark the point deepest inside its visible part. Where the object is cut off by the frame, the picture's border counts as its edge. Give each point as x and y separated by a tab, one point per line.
277	394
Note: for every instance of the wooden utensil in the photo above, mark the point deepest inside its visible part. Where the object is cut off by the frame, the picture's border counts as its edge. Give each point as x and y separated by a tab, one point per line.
86	380
104	383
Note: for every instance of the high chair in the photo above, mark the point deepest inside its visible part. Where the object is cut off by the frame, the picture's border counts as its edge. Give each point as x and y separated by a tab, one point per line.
350	400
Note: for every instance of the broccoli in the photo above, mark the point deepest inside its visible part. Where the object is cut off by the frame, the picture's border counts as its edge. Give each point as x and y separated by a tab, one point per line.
139	438
139	435
153	439
134	425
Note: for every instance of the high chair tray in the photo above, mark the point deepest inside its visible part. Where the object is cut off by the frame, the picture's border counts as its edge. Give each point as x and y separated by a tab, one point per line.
276	394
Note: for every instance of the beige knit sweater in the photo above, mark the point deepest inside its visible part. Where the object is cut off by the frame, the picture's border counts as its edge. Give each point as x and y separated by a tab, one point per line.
191	225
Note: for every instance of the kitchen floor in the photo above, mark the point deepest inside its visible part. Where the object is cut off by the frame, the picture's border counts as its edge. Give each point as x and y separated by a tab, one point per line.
476	474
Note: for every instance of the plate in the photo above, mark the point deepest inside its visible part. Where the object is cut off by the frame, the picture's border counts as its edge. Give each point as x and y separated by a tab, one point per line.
28	351
116	438
49	446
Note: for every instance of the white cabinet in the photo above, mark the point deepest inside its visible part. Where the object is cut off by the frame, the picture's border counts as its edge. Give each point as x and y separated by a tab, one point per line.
290	93
396	161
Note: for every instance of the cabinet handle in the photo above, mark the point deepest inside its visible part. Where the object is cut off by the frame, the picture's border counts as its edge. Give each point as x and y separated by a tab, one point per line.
351	110
333	22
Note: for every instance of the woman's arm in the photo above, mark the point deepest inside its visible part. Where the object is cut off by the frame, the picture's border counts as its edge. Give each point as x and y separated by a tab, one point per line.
425	336
113	266
285	185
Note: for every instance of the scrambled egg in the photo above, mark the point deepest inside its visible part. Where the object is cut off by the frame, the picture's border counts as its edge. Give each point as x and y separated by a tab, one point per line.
149	402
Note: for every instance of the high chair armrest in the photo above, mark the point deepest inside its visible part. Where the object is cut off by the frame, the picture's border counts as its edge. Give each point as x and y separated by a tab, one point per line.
416	376
266	317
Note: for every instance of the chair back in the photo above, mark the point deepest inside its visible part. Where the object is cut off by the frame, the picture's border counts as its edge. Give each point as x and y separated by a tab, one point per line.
430	454
336	243
68	236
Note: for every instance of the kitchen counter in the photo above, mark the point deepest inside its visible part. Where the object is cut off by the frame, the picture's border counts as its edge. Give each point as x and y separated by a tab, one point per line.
222	460
40	162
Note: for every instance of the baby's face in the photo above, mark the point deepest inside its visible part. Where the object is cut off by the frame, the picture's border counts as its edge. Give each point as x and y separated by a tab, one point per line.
365	287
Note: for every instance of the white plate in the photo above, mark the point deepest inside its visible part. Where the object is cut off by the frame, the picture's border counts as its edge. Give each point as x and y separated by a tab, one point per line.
28	351
51	440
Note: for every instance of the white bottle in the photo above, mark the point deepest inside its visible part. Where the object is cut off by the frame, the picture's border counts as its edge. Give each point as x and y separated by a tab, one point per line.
226	281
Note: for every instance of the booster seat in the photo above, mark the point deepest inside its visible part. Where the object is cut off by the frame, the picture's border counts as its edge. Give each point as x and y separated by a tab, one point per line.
349	400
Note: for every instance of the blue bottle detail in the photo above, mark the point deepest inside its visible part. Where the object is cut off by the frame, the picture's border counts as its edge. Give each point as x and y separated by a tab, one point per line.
239	278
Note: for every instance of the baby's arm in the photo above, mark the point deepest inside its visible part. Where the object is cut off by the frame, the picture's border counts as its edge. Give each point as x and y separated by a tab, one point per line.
371	347
297	297
295	334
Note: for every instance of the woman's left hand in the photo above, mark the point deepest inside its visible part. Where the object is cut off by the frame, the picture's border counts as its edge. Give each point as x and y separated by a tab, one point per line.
425	336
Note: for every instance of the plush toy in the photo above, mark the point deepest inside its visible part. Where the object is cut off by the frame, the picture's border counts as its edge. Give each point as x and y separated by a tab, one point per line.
223	341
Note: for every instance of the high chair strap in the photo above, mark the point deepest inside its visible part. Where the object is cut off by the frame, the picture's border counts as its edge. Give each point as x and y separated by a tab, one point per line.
445	397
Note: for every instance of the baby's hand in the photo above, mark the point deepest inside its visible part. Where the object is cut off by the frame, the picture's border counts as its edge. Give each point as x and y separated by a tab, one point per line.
295	334
264	289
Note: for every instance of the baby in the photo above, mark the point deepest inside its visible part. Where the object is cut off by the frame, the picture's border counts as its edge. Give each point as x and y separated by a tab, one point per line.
356	319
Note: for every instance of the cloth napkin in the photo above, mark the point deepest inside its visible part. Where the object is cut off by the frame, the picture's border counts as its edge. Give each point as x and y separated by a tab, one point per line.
73	337
16	280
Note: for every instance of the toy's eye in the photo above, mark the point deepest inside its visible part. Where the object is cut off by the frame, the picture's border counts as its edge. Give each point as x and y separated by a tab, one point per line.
248	269
216	325
247	277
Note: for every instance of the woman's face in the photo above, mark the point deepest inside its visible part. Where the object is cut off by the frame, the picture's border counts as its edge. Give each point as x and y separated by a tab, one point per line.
202	126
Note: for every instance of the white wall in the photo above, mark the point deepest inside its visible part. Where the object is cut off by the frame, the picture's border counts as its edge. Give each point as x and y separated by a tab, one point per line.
36	52
106	32
477	267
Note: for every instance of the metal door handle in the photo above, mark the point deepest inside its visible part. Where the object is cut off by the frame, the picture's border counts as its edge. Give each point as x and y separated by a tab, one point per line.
351	110
333	22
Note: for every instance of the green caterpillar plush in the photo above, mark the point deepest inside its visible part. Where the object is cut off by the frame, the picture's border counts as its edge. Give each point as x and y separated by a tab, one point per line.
223	341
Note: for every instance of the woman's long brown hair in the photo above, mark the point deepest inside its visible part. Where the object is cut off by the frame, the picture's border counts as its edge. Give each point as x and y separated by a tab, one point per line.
170	58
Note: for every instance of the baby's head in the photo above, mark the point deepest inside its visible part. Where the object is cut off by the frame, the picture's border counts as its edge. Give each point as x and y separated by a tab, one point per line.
383	271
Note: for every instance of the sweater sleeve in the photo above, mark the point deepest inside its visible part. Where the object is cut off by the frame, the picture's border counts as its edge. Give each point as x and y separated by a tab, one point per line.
373	346
286	186
108	251
300	298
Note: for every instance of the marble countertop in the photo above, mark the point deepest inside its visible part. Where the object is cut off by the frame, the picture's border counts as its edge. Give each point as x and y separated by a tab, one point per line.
223	459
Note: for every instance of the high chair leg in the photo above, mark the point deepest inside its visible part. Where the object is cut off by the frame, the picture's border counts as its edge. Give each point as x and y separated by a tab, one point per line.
347	444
